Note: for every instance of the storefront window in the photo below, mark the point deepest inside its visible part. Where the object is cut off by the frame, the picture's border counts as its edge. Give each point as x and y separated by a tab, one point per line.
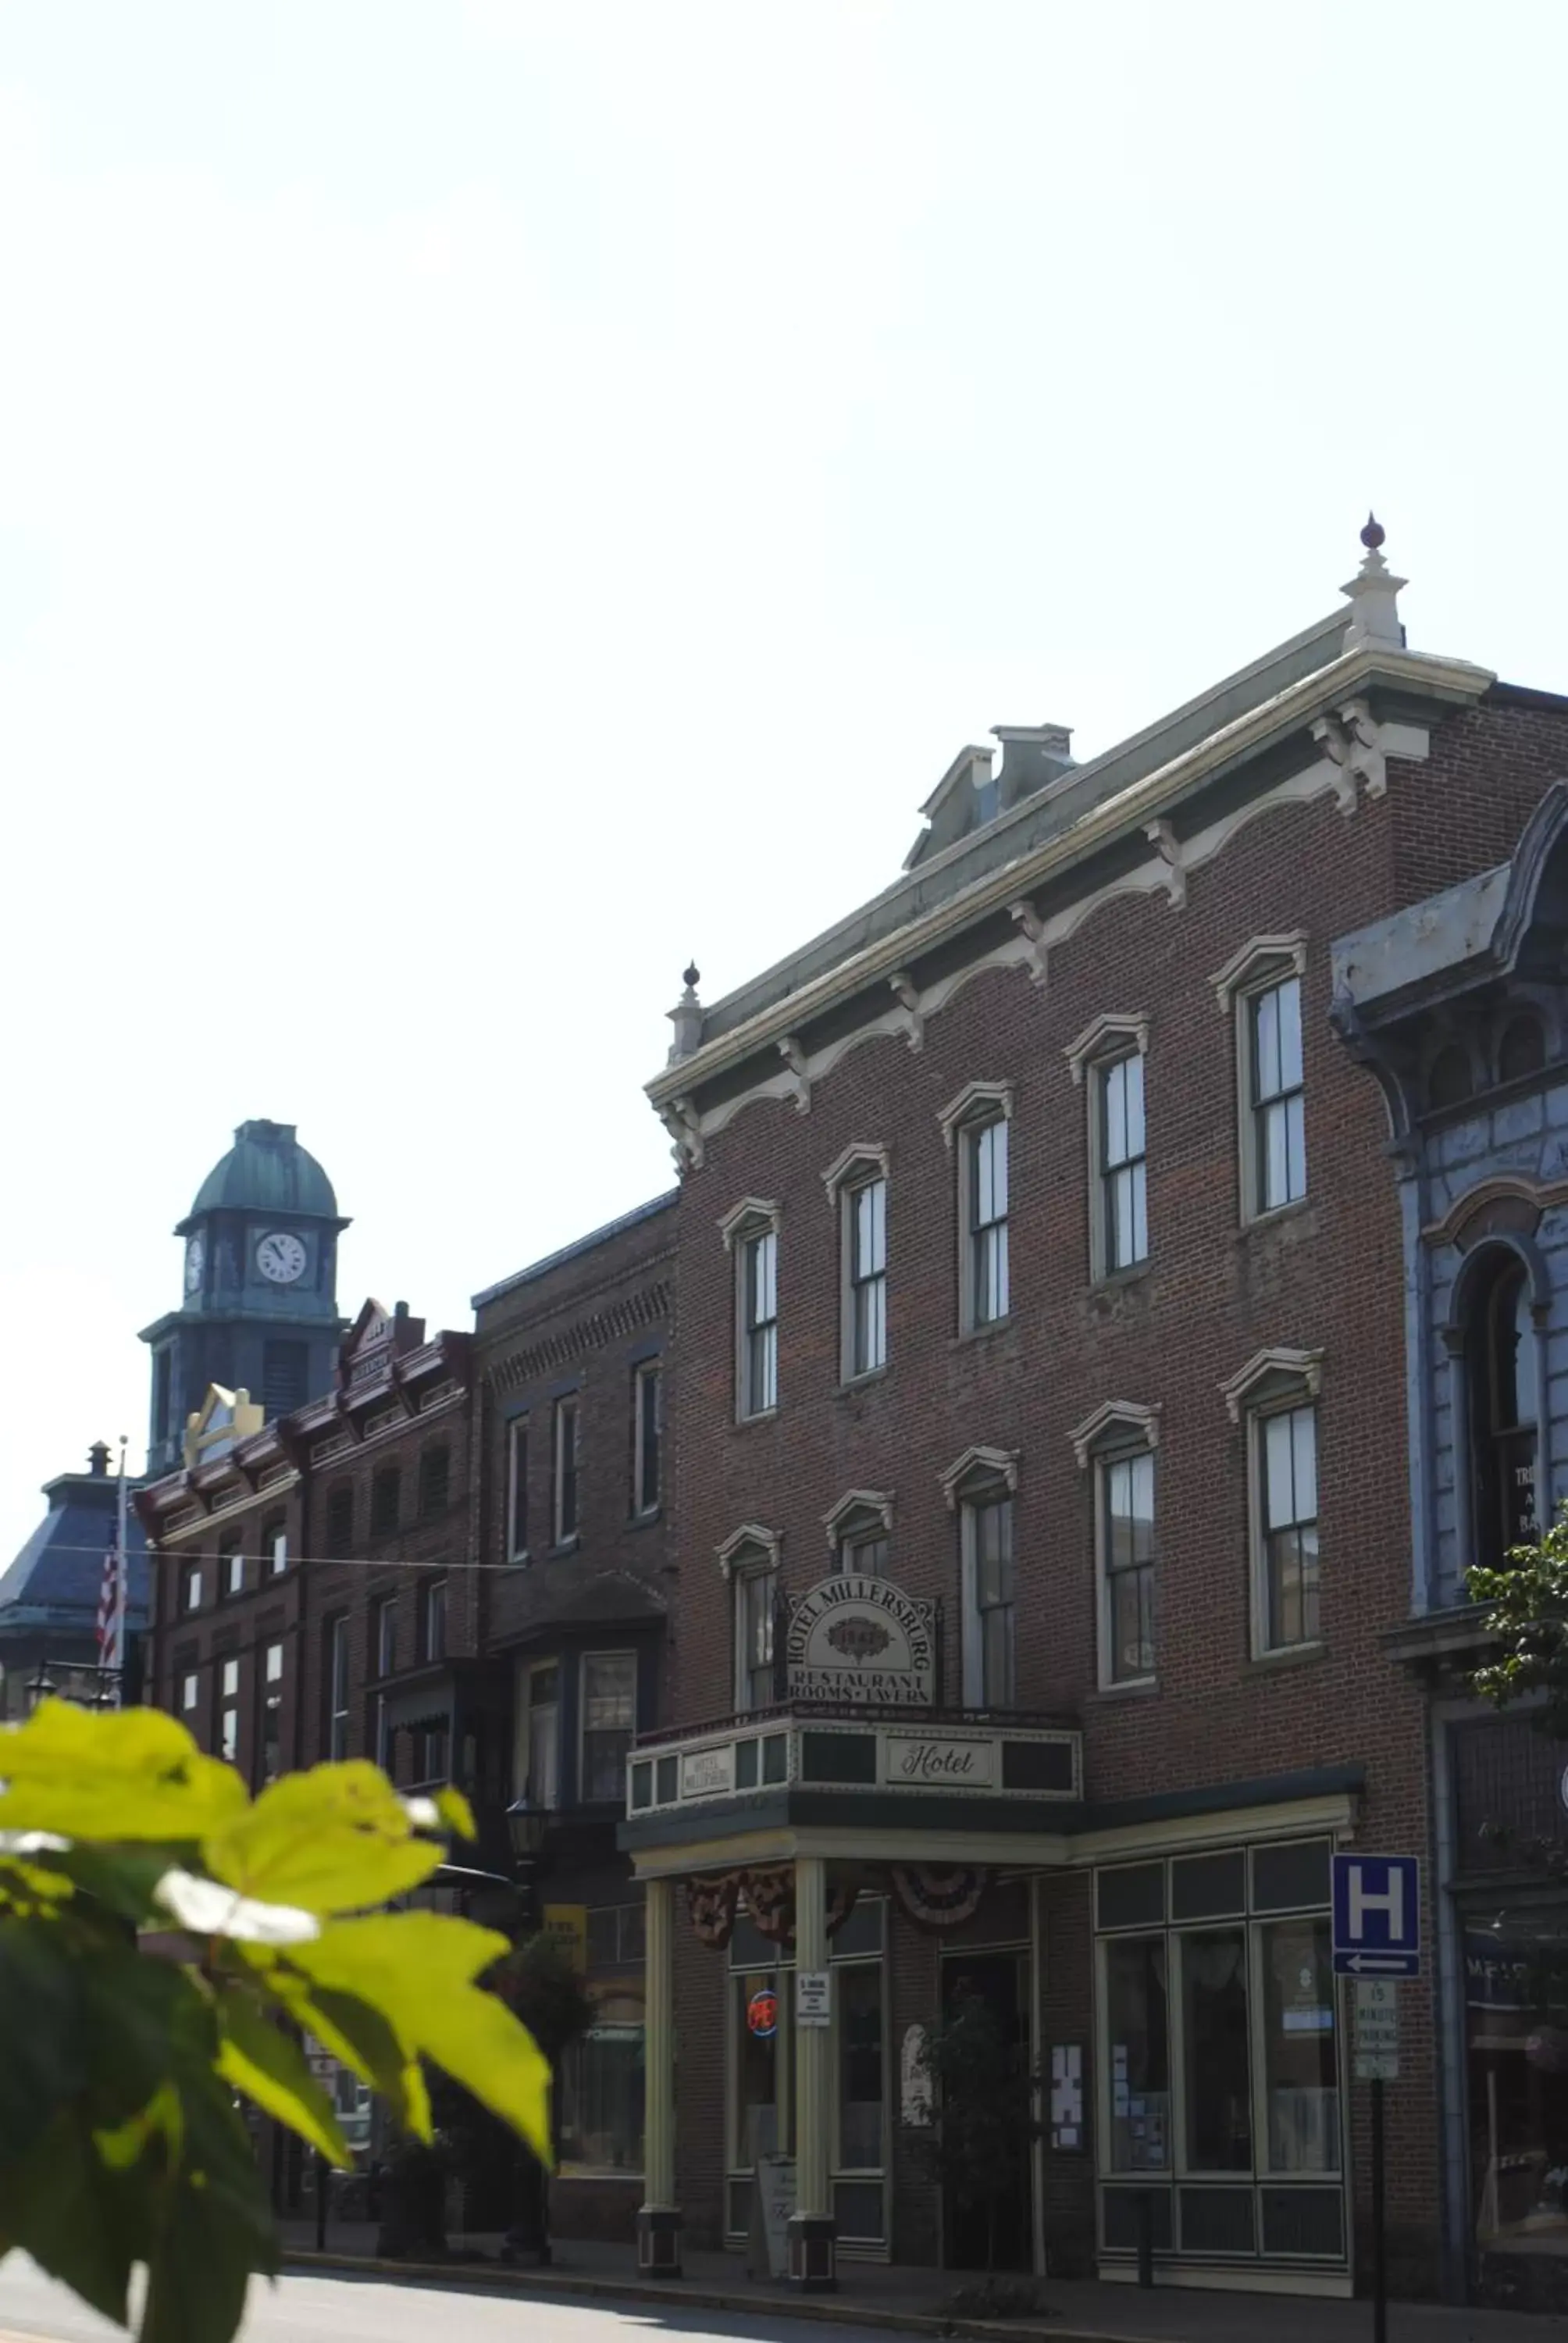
1140	2040
1516	2027
601	2085
762	2065
857	1991
1214	2014
1299	2064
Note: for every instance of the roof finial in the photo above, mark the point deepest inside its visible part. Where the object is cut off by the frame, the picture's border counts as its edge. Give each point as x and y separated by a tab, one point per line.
687	1017
1374	595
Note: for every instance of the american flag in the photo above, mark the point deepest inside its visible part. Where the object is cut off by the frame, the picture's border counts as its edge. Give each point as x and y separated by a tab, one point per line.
112	1590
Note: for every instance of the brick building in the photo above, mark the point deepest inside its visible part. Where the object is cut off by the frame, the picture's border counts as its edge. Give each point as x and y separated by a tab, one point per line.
571	1536
1457	1004
1043	1496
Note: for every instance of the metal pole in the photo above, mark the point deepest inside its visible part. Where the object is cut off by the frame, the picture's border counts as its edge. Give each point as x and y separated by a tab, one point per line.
1379	2241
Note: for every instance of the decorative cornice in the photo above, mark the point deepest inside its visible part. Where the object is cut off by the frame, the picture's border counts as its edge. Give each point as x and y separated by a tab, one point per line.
1330	689
978	1464
1123	1416
975	1099
1272	1366
753	1535
875	1504
860	1155
1108	1029
751	1213
1257	956
1502	1187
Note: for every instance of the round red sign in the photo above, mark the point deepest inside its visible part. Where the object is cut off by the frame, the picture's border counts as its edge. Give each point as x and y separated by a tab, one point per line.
762	2013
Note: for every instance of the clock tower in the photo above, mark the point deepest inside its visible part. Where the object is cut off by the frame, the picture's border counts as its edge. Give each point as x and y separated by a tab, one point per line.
260	1307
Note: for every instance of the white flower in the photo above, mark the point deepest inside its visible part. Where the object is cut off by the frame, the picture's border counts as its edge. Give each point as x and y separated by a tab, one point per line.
423	1813
207	1908
33	1843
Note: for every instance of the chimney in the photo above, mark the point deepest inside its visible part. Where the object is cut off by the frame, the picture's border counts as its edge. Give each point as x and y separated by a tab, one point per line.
98	1460
1033	756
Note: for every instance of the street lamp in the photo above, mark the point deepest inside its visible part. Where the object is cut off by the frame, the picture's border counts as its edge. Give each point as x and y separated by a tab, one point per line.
39	1687
525	1828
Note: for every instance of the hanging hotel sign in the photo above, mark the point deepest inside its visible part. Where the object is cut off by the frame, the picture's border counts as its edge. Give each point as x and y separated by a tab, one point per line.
862	1641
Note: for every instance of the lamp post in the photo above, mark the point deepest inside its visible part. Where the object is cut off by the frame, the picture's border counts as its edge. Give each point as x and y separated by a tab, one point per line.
525	1828
38	1687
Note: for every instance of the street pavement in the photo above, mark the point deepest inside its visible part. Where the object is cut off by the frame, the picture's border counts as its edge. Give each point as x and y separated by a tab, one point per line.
305	2309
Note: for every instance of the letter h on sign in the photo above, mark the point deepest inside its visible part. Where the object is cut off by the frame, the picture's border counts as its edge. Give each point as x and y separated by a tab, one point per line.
1377	1915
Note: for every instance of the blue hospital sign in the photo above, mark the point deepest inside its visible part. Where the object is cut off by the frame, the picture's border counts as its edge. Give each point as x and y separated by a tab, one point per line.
1377	1916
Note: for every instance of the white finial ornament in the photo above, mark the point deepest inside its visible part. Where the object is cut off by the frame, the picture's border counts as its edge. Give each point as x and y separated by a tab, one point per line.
687	1017
1373	594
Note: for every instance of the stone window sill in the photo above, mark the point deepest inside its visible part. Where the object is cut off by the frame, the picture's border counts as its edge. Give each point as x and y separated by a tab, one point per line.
849	1385
1257	1223
1289	1655
1134	1688
981	1333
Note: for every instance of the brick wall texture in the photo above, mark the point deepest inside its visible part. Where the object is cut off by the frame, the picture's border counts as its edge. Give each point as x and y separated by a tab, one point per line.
1324	1276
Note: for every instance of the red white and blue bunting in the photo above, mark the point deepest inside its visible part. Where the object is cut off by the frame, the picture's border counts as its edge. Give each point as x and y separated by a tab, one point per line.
938	1895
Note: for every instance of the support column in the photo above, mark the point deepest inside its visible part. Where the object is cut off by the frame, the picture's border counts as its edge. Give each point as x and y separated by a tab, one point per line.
659	2218
812	2266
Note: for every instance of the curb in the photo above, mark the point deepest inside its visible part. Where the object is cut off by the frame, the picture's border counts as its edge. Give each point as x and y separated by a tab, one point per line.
822	2309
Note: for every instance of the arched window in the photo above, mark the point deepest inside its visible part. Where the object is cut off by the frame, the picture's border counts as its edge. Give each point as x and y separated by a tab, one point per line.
1504	1410
1449	1081
1522	1050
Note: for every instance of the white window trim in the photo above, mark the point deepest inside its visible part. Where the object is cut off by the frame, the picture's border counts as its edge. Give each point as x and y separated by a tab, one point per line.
1109	1036
190	1690
1102	1044
754	1216
1272	1382
976	1106
279	1553
976	1103
583	1661
646	1370
854	1507
855	1168
977	1467
969	1498
1140	1437
749	1533
517	1427
1301	1370
563	1403
1259	964
750	1552
529	1672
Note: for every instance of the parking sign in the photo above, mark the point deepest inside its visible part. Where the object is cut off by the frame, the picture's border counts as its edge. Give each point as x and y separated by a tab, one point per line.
1377	1916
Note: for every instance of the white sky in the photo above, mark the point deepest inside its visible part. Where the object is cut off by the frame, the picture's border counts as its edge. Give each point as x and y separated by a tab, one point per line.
499	498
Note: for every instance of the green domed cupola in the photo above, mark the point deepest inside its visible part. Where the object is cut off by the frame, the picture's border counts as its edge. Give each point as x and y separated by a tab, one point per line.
260	1307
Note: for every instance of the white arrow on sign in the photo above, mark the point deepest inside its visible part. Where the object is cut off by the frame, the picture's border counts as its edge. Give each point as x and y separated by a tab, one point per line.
1379	1963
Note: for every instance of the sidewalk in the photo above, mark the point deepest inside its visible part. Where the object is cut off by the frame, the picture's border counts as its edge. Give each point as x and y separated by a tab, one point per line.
914	2301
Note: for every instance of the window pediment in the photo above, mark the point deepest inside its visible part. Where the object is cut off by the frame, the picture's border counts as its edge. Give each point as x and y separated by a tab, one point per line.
750	1547
747	1218
976	1469
1108	1033
1507	1204
1114	1418
1260	957
858	1509
974	1101
863	1159
1268	1372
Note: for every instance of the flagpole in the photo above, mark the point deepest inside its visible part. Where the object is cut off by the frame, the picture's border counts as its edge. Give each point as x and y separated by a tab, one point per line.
123	1584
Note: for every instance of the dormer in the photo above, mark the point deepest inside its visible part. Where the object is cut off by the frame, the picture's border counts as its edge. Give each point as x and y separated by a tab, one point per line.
971	792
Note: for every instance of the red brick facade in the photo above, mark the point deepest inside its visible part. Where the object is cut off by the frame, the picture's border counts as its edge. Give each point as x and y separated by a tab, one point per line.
1323	1276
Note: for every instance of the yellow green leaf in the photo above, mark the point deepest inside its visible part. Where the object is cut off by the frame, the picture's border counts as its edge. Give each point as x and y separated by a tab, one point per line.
337	1838
418	1968
362	2039
456	1811
112	1776
262	2061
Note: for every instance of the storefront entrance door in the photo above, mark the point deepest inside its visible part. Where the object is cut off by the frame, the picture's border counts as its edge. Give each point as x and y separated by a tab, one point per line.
995	2232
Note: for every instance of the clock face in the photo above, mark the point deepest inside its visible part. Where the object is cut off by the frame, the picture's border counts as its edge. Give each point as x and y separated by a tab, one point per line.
195	1257
280	1256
